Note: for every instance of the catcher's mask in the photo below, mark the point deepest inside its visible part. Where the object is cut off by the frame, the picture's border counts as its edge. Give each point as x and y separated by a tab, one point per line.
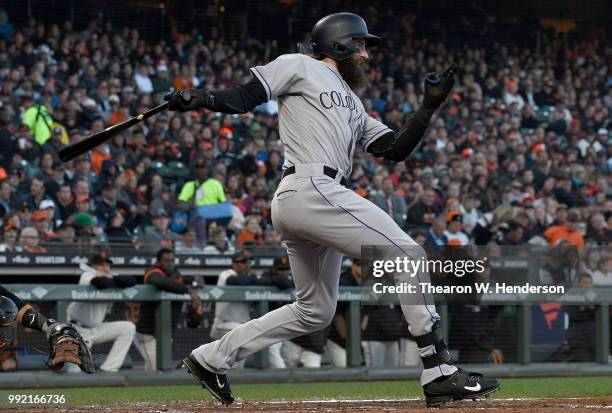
8	318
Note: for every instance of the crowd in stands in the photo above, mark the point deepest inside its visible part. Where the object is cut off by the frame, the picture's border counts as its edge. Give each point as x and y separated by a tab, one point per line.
520	153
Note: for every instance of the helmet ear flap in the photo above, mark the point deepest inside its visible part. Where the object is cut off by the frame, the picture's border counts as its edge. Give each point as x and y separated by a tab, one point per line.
341	50
339	47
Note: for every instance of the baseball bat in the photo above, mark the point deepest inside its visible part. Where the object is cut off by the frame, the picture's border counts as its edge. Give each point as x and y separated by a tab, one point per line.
72	151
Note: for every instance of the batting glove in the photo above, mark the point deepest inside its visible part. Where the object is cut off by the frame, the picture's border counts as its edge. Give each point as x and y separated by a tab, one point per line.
189	99
437	87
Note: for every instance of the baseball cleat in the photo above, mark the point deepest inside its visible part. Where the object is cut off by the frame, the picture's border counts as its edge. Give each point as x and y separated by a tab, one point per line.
216	384
459	386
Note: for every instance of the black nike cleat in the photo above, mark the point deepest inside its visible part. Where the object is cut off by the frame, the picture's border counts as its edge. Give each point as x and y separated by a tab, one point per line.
459	386
216	384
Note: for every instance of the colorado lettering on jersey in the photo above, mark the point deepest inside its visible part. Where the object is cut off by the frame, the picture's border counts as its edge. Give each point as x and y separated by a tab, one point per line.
330	99
321	120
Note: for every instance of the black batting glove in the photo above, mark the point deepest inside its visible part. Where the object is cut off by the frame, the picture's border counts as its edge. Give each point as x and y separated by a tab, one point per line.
438	86
189	99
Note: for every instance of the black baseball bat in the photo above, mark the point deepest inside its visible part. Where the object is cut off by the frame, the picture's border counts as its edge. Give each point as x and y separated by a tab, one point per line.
72	151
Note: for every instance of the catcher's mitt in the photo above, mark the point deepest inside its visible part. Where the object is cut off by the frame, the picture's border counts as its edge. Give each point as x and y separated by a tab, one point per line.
67	345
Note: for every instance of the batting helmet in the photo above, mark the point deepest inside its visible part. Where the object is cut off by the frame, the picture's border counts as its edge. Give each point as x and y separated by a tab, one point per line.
8	315
333	35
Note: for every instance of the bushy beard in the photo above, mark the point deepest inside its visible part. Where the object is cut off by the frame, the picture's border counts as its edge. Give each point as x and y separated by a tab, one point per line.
352	73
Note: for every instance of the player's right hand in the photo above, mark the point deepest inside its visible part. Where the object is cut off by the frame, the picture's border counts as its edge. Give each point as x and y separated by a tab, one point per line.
189	99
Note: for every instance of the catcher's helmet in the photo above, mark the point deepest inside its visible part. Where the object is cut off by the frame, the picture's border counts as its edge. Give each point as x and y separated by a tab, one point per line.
8	311
333	35
8	315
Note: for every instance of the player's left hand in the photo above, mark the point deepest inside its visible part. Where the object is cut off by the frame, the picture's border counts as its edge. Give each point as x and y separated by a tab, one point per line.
67	345
189	99
438	86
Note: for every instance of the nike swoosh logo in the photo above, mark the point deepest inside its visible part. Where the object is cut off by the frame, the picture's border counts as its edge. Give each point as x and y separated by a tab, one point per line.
223	385
474	388
33	316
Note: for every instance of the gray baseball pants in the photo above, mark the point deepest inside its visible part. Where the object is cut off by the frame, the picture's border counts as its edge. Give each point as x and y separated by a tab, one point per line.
319	221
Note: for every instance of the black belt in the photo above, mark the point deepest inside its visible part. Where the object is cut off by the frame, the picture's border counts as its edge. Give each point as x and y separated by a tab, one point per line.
331	172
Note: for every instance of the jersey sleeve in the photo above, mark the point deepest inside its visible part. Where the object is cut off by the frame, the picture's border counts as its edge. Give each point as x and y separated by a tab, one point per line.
372	130
282	75
86	278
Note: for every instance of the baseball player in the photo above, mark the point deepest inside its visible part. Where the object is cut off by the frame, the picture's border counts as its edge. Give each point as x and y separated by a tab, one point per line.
321	120
65	343
88	318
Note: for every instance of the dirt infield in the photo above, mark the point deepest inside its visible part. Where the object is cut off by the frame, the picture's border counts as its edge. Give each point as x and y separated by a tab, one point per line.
575	405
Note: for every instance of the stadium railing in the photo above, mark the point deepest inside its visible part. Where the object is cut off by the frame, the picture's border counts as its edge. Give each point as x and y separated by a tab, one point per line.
62	294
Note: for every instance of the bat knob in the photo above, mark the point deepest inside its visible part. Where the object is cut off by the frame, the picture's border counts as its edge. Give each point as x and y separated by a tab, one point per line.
432	79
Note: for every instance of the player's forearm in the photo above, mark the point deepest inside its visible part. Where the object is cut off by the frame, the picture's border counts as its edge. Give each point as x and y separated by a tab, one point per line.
6	293
28	317
102	282
239	99
124	281
399	145
167	284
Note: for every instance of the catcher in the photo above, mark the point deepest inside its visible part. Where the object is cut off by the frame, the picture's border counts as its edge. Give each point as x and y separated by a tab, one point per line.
65	343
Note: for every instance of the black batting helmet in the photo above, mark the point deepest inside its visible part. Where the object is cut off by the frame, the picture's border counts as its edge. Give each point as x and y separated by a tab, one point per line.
8	315
333	35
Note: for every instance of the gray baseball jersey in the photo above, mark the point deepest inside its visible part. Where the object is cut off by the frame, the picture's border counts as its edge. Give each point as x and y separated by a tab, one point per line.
320	118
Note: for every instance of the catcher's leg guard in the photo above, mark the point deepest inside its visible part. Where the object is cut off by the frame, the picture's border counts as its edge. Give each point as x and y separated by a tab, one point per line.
67	345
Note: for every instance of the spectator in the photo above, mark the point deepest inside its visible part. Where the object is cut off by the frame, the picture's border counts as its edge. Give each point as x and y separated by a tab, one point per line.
48	207
419	236
166	277
107	205
82	203
602	275
389	202
567	232
29	240
454	232
512	96
5	198
159	236
424	211
161	82
252	232
201	191
597	229
513	234
38	119
220	243
116	230
66	235
88	317
9	238
37	193
186	244
142	80
42	223
436	234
